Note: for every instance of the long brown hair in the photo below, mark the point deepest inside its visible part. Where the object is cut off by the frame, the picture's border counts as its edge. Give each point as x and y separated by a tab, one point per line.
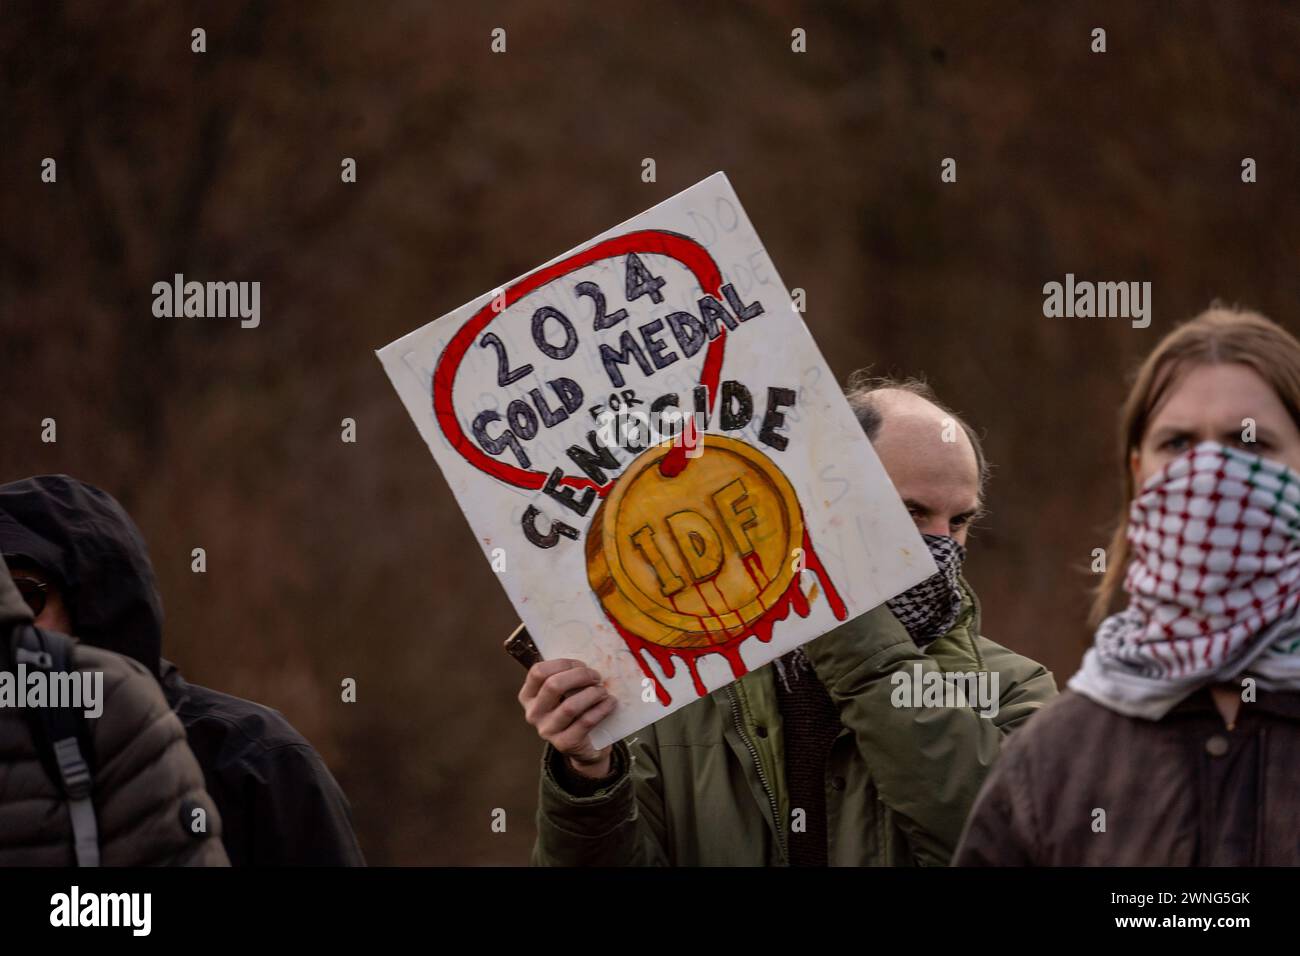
1221	335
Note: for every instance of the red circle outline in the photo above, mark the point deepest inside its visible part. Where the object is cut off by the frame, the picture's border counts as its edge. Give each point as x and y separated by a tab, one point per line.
659	242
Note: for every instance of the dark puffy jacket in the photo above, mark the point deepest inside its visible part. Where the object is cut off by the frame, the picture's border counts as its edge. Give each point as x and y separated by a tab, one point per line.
1084	786
147	784
279	803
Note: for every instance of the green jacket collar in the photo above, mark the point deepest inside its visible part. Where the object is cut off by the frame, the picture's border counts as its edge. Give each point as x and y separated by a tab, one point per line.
958	650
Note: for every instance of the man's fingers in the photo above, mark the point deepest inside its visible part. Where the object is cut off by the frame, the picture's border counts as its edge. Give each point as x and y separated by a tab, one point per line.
538	674
570	709
555	688
574	739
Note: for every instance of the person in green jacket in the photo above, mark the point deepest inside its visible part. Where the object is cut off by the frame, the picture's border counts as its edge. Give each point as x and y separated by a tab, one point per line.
822	757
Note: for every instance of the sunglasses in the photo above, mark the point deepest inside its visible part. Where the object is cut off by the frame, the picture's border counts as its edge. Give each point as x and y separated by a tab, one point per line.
33	592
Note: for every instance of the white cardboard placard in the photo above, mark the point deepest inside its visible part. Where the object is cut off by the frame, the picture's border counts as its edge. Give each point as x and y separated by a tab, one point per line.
689	545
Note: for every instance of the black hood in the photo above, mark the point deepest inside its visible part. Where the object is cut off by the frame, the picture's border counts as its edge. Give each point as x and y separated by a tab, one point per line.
83	539
12	608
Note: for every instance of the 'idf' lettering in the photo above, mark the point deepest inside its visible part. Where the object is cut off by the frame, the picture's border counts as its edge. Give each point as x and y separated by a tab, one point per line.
698	541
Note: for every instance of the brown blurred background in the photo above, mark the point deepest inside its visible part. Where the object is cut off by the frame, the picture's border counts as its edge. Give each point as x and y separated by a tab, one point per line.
328	560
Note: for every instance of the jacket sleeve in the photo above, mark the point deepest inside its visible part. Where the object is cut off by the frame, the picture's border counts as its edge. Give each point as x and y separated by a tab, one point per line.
300	815
1025	686
148	788
1002	829
927	762
622	824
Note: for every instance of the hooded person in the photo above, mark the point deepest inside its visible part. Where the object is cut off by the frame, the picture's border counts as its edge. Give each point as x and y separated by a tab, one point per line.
278	802
146	788
816	759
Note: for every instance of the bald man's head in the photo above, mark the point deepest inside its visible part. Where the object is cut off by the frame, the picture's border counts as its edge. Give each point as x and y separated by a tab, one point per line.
933	458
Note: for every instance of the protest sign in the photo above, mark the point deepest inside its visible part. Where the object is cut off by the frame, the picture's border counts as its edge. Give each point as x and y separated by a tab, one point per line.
656	459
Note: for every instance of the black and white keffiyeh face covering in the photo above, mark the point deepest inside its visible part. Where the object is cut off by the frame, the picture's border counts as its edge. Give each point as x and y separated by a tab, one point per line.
929	610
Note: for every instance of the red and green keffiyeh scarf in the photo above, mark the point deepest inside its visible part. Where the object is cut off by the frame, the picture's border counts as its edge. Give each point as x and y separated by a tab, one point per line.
1214	585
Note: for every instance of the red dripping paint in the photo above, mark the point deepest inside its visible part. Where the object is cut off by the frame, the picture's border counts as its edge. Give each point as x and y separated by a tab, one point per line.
722	597
671	465
798	599
759	585
722	625
729	647
814	564
672	599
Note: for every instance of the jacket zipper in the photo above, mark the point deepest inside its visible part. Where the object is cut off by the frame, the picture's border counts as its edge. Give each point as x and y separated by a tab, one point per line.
758	765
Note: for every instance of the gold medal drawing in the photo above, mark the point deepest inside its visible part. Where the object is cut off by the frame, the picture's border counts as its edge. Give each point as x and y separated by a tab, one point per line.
694	560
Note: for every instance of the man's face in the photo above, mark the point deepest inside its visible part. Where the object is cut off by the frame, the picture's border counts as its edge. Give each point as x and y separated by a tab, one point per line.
938	480
54	615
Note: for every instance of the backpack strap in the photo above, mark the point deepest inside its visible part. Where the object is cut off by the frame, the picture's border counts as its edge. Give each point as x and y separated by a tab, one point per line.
62	738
